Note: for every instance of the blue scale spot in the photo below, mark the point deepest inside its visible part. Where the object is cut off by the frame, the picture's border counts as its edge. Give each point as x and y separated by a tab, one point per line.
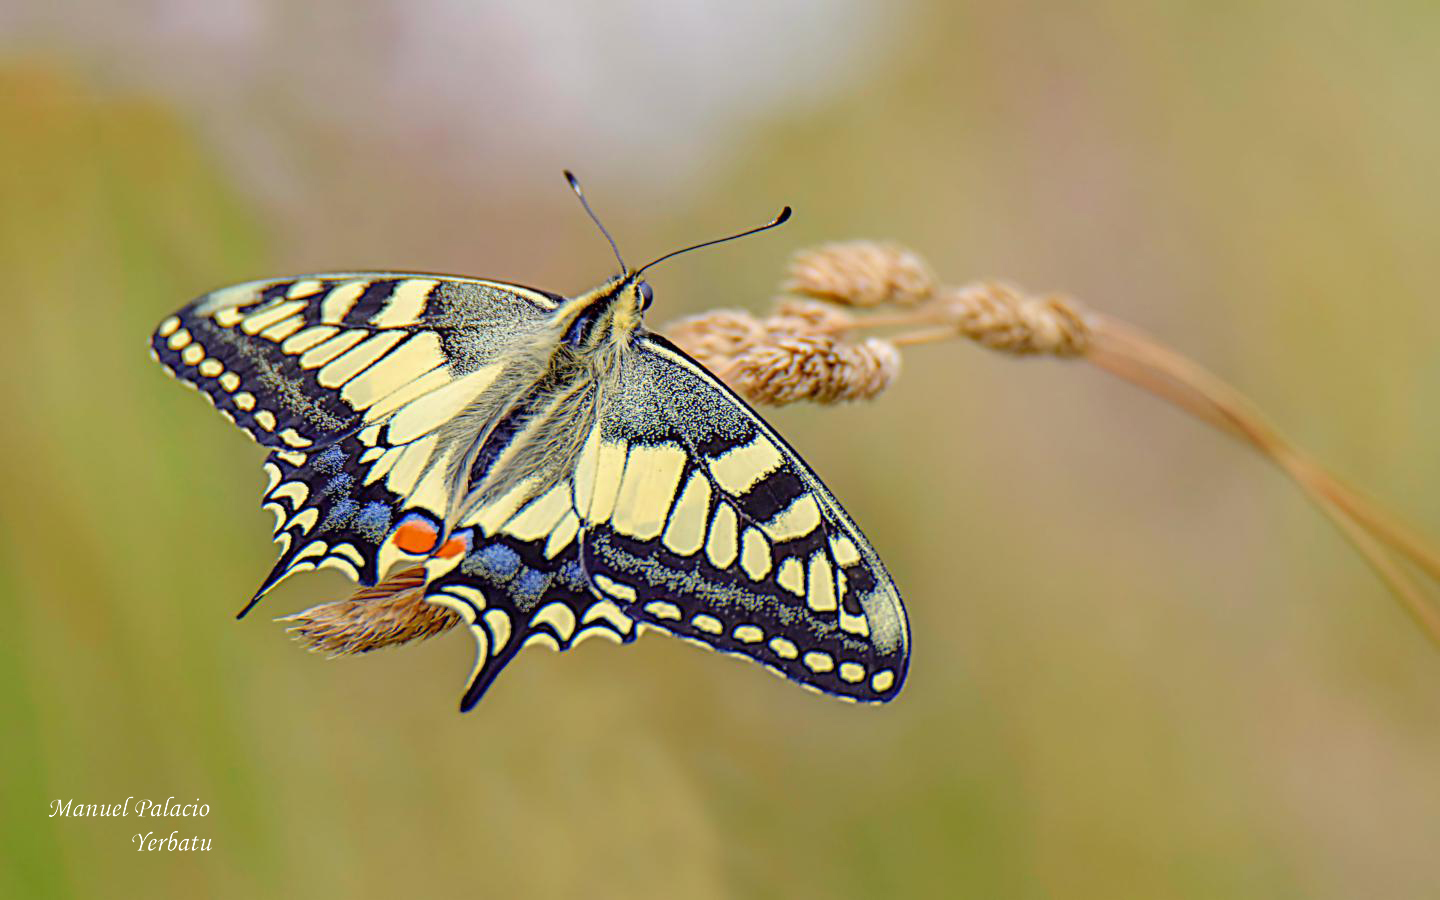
340	484
331	461
340	515
571	576
527	589
373	522
496	561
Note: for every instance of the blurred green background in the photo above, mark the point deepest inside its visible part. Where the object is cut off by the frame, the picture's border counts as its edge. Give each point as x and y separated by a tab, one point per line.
1143	665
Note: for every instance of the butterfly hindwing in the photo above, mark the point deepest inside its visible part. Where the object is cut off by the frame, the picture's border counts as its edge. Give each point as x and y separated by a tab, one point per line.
701	521
513	595
327	515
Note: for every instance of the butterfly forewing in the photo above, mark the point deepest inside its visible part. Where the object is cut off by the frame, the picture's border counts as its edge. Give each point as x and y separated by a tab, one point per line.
701	521
350	380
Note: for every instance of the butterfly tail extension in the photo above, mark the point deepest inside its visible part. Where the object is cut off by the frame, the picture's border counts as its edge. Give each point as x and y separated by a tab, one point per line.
520	583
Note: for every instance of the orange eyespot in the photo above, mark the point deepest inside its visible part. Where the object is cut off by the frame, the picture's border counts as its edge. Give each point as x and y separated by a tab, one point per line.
416	537
453	547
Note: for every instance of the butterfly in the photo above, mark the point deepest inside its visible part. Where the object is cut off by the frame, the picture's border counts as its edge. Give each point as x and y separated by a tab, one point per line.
554	469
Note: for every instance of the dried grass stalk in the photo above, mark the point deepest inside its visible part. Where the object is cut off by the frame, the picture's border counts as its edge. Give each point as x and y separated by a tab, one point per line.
806	350
390	613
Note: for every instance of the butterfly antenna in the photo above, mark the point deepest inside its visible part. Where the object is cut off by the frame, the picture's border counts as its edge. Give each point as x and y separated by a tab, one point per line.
575	186
778	220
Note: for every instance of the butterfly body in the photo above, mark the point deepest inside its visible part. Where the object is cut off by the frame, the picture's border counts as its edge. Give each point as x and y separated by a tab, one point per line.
557	470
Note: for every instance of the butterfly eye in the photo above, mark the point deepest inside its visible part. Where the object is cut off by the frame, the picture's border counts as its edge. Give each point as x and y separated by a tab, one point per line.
647	296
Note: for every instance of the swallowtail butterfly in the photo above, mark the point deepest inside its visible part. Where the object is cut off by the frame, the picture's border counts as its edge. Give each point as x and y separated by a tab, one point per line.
559	471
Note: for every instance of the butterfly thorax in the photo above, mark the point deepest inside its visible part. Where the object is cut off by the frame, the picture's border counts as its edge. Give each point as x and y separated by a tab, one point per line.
548	403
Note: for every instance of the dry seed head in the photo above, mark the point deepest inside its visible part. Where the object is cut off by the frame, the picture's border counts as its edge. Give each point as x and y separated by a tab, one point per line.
800	316
392	612
861	273
814	367
1002	318
714	338
792	355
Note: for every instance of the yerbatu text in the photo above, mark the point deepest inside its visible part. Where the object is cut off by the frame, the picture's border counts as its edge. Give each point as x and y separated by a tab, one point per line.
149	841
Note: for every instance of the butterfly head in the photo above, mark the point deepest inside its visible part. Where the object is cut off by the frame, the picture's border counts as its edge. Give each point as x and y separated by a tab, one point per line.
633	297
618	306
614	310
